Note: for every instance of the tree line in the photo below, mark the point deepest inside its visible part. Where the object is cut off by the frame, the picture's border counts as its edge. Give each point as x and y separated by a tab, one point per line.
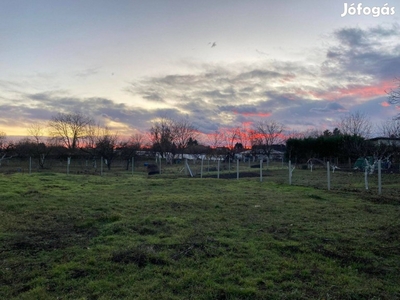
76	134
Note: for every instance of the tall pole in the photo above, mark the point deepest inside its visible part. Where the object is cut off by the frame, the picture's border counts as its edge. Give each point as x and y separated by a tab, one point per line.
237	169
201	169
328	176
379	178
68	162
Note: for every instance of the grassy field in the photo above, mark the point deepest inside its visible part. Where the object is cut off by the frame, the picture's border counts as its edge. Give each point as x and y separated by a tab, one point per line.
165	237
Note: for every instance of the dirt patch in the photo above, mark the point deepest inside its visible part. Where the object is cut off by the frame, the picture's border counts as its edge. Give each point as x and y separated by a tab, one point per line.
49	236
140	256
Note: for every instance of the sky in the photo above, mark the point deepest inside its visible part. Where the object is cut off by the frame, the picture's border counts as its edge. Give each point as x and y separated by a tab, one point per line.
217	63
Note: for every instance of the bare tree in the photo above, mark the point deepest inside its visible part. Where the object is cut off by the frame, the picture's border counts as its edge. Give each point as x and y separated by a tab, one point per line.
106	143
69	128
41	146
214	141
245	136
5	147
394	94
391	128
92	134
265	134
386	150
162	136
232	137
137	140
100	142
3	139
183	132
356	123
130	147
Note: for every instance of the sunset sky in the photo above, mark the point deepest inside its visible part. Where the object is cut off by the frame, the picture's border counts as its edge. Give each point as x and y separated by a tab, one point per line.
219	63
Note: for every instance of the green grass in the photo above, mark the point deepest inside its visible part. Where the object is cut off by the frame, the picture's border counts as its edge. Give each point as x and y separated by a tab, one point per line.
92	237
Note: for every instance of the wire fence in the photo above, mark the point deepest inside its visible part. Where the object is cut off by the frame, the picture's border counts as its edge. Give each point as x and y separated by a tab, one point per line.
342	178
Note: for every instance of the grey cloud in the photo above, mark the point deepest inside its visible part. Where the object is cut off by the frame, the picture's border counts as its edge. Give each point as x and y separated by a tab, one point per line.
262	74
246	96
153	97
330	107
87	72
380	31
353	37
373	52
42	106
217	94
333	53
241	109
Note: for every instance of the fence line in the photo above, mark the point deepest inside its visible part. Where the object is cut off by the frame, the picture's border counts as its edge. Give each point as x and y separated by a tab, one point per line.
379	182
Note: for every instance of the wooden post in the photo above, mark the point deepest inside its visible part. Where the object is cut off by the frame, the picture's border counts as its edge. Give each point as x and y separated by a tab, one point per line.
261	169
290	172
133	164
219	162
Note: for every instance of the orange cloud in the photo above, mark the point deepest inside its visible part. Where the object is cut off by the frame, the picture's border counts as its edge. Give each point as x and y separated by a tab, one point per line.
367	91
247	124
361	91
